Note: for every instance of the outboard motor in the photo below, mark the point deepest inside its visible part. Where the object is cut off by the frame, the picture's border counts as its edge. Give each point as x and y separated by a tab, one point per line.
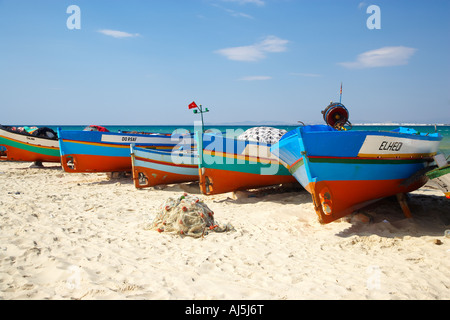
336	115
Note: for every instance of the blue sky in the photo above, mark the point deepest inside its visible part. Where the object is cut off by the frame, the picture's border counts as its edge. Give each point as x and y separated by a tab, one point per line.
141	62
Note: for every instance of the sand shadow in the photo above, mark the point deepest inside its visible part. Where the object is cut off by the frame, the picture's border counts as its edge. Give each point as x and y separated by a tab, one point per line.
238	197
41	166
108	180
430	217
187	187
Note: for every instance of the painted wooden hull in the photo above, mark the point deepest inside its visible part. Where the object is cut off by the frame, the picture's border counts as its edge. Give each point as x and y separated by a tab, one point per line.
93	151
227	165
153	167
441	177
347	170
24	147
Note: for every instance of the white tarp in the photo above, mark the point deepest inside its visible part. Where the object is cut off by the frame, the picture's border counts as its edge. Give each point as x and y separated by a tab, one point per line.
268	135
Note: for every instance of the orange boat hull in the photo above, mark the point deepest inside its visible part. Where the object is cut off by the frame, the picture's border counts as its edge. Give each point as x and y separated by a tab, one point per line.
17	154
146	177
353	195
216	181
86	163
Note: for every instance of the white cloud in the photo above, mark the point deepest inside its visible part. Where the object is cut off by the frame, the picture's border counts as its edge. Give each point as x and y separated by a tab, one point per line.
233	13
241	15
256	51
238	14
362	5
383	57
255	78
273	44
248	53
118	34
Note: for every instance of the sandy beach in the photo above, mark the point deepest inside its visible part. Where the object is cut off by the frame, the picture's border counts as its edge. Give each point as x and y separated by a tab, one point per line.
84	236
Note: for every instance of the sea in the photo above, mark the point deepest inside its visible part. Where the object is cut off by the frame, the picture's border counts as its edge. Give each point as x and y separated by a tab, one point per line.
236	129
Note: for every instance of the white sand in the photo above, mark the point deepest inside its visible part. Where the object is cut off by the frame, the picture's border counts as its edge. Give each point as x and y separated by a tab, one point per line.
82	236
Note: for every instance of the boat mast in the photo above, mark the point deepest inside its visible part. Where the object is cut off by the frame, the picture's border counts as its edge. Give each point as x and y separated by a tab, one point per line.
199	109
199	137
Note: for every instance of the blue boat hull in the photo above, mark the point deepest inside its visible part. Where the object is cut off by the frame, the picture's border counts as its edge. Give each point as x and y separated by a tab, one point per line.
93	151
346	170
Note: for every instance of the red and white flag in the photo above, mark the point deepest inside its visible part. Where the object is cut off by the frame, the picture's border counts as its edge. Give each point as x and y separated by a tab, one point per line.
193	105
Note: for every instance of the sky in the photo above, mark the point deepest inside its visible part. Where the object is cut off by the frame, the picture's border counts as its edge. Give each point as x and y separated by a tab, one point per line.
136	62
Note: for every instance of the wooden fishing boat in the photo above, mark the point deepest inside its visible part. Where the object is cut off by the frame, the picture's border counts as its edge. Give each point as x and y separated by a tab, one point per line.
21	146
97	151
228	164
347	170
153	167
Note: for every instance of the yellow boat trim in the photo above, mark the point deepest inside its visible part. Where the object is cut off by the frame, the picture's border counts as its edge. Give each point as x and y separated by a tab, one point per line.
112	144
398	156
238	156
30	144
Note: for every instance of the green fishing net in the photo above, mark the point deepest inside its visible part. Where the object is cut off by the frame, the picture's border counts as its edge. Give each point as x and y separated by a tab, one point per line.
186	215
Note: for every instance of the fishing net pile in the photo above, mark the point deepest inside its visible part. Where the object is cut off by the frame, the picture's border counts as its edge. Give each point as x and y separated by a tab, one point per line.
186	215
268	135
